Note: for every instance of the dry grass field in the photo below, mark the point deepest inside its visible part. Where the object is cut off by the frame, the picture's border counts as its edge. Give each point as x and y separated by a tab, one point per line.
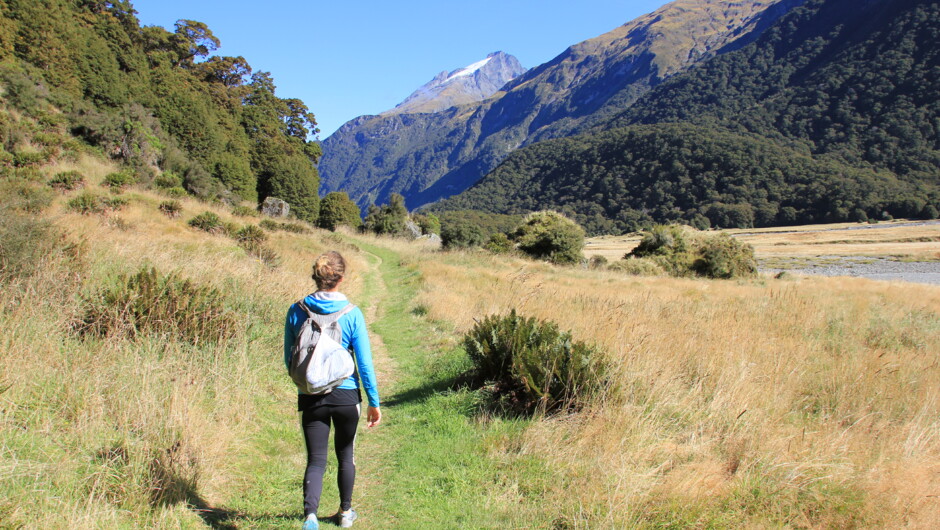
906	240
803	402
806	402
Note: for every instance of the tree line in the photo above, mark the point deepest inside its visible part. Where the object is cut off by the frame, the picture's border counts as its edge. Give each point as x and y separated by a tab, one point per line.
159	100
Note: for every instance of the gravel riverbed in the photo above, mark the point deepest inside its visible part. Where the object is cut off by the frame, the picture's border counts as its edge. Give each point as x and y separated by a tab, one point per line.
867	267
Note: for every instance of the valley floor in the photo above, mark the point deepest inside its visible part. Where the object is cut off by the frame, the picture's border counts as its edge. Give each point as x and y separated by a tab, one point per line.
906	251
802	402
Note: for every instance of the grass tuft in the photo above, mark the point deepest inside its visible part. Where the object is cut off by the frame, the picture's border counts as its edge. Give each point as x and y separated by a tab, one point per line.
148	302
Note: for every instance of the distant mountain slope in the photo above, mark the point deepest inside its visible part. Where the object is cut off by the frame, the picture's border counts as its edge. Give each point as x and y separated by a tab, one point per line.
427	156
470	84
830	116
857	80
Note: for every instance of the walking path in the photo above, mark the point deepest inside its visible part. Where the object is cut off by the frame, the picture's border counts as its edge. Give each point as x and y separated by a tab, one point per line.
426	466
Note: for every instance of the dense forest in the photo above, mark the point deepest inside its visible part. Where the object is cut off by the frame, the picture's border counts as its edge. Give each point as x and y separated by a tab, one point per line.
159	101
832	115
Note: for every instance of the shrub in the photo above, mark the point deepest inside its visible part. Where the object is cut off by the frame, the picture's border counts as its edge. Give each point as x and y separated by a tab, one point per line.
119	179
85	204
661	240
429	223
175	192
167	180
597	262
48	139
722	256
230	229
113	204
250	235
533	365
207	222
31	159
669	246
263	253
24	241
337	209
171	209
499	243
67	180
24	196
637	267
30	174
461	233
552	236
681	252
244	211
148	302
389	219
52	121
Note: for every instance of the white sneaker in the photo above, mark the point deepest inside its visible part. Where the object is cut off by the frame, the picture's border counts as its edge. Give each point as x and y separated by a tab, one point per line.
346	518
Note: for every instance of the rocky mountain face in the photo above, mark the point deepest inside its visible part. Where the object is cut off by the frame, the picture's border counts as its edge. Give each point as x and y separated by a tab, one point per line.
427	156
466	85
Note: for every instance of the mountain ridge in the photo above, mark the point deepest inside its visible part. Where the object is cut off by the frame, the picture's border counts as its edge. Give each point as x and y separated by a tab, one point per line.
826	118
429	156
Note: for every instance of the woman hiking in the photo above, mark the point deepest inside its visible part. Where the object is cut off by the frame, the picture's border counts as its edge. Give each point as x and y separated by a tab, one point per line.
341	406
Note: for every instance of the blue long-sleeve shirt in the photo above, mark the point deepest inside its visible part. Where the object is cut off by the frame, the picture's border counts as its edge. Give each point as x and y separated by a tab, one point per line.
355	338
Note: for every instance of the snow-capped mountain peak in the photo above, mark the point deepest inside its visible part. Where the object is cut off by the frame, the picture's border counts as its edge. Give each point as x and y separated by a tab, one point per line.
469	84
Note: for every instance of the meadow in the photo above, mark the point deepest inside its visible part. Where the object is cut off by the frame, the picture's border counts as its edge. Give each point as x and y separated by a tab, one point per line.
796	402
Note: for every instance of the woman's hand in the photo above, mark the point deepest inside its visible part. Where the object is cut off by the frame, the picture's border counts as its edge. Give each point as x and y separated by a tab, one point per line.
373	416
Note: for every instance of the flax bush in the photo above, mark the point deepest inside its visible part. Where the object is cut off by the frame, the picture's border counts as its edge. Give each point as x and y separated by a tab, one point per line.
171	208
207	222
67	180
150	302
533	365
89	203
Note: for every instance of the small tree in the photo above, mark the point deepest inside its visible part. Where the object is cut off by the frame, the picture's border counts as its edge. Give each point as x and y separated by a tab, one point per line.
429	223
552	236
461	233
723	256
389	219
338	209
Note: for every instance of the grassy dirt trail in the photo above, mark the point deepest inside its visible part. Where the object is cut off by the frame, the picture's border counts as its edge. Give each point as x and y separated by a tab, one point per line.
426	466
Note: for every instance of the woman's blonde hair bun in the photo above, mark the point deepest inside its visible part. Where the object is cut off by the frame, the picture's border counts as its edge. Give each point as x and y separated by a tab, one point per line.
328	269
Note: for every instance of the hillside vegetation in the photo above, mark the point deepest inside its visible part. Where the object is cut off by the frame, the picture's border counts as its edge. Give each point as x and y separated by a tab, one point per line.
158	101
807	402
829	116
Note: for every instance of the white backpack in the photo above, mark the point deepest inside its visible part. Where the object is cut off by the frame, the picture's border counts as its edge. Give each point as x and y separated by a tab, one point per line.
318	361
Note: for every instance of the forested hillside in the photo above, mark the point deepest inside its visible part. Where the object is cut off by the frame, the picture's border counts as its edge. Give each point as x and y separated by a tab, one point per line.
830	116
159	101
428	156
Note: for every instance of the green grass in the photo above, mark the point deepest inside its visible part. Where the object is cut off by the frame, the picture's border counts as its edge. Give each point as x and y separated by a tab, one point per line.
430	464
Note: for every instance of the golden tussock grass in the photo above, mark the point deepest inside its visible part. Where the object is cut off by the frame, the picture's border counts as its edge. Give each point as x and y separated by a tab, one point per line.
897	238
111	432
807	403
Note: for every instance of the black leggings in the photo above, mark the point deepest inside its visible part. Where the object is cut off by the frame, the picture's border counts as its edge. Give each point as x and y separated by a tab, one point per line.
316	426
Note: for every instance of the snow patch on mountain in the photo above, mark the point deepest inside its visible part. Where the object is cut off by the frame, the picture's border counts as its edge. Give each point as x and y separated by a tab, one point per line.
469	84
468	70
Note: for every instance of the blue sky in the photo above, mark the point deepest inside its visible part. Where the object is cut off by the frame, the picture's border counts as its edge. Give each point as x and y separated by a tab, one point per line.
346	59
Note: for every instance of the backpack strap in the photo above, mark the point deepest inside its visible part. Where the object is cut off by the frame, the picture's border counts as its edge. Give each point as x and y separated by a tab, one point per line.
324	321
